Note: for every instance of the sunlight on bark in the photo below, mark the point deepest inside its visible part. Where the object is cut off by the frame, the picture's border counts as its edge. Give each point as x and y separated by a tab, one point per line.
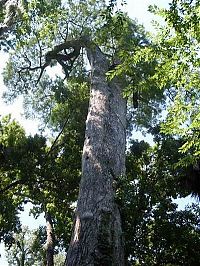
77	230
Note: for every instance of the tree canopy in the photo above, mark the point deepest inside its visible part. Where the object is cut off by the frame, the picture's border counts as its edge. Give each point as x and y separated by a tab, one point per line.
159	77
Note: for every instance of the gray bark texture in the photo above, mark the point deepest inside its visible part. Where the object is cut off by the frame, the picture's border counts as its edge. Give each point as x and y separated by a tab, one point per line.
50	240
97	235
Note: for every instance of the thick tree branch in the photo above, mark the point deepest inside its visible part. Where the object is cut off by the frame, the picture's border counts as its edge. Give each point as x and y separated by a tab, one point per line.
65	54
64	57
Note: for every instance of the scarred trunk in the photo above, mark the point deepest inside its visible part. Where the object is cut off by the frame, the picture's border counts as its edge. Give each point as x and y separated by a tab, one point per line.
50	240
97	235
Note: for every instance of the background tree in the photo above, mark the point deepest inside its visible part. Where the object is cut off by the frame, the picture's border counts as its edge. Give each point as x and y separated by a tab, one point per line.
179	58
156	232
41	170
11	135
181	52
28	248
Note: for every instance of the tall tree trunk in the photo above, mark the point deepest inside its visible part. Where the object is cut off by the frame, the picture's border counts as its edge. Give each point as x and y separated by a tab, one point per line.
50	240
97	235
23	257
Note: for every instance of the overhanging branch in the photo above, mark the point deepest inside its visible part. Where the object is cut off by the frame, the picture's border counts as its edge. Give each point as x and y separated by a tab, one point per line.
65	54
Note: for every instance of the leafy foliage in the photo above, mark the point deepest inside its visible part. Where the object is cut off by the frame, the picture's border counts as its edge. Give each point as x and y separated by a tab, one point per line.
155	72
177	46
156	233
48	177
27	248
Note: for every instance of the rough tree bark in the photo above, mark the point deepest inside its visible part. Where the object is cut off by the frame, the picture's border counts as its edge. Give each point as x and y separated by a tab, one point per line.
50	240
97	235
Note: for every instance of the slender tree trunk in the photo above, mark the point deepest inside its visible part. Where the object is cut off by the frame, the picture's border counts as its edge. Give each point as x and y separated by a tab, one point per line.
97	235
50	240
23	257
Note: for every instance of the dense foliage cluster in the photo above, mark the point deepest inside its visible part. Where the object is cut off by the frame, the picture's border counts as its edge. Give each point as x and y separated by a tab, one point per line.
160	74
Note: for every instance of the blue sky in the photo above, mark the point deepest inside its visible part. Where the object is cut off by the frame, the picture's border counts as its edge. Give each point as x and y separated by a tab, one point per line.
136	9
139	9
